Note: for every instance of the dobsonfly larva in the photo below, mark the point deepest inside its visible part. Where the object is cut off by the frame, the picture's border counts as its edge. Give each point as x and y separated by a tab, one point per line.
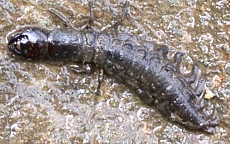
142	65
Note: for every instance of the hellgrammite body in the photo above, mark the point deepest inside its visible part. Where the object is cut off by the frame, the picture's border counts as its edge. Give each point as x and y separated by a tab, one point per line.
142	65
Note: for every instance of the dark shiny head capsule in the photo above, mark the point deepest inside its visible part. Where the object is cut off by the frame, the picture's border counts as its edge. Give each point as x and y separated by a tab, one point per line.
30	43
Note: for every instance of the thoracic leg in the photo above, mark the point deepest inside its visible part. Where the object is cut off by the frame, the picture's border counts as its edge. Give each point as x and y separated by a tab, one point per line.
100	79
63	18
122	17
91	18
120	20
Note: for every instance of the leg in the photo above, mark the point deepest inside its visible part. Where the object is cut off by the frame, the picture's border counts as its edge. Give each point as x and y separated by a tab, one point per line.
87	68
90	22
91	18
62	17
100	79
120	20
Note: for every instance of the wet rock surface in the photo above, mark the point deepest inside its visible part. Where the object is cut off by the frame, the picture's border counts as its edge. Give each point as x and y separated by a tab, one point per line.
47	102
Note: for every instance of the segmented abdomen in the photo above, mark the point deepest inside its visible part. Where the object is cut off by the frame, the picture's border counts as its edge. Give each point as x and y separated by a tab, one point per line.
146	68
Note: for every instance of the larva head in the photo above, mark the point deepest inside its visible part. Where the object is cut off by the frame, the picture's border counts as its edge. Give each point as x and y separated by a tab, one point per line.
29	43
